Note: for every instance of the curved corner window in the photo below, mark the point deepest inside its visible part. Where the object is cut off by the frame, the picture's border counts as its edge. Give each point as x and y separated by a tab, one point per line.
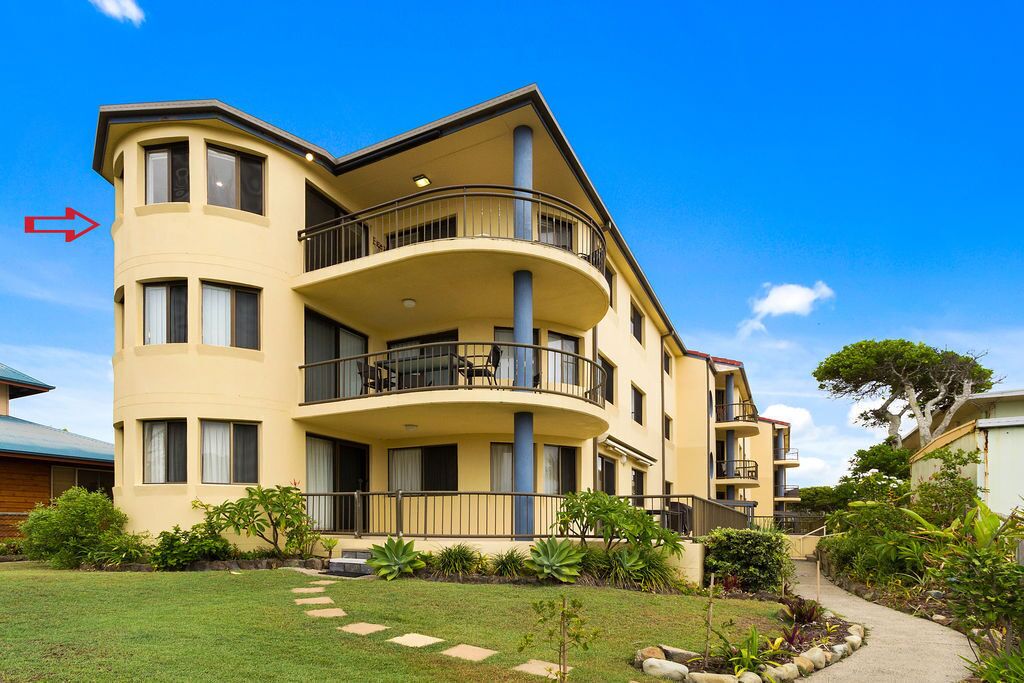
234	179
167	173
165	313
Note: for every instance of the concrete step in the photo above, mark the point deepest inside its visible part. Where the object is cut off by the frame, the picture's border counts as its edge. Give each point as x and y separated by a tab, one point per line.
349	566
359	554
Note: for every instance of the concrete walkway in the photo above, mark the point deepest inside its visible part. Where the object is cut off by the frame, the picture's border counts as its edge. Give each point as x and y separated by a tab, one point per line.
899	647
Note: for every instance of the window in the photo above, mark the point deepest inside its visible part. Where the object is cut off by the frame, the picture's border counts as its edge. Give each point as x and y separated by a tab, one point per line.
231	316
638	487
230	452
437	229
428	365
557	231
666	362
563	365
326	339
609	379
559	469
165	313
606	474
430	468
668	488
167	173
163	452
636	323
638	406
234	179
502	480
609	276
119	318
507	363
668	427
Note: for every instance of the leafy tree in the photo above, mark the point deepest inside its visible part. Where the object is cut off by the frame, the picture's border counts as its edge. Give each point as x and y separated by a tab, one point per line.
563	625
817	499
946	495
909	377
274	514
884	458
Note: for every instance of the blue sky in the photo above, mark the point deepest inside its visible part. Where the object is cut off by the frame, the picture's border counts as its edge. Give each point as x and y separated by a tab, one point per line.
874	148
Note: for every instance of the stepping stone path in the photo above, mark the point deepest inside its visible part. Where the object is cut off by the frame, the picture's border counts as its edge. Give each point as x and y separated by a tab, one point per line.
469	653
362	628
539	667
415	640
327	613
324	600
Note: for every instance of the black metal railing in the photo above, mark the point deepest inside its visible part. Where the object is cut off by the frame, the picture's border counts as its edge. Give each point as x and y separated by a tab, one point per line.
791	523
736	469
782	491
490	211
744	411
786	453
455	365
487	514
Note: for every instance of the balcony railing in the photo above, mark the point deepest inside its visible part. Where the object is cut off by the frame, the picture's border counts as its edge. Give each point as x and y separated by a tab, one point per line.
744	411
492	211
786	453
736	469
787	491
455	365
486	514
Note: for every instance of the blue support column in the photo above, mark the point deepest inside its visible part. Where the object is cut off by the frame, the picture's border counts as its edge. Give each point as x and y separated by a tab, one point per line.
522	453
522	332
522	177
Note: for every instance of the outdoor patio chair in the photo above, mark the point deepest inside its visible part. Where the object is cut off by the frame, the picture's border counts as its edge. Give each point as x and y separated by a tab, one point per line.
372	377
488	369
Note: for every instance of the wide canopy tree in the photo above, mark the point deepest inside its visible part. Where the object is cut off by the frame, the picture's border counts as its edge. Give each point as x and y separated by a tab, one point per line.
909	377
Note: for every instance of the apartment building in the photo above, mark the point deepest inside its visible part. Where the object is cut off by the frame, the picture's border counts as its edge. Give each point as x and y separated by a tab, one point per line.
451	313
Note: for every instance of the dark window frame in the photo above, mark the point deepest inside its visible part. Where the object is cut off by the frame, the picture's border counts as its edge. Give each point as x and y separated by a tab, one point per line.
636	322
609	378
606	468
170	148
667	427
232	481
433	450
638	496
666	362
168	469
566	454
233	323
609	277
168	286
240	156
636	393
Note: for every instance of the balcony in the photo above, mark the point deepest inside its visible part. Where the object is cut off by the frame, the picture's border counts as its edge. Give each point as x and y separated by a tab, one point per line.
786	457
446	388
787	493
740	418
454	249
740	473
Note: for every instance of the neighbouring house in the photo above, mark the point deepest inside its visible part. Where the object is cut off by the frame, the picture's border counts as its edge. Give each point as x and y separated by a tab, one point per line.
439	335
37	462
993	424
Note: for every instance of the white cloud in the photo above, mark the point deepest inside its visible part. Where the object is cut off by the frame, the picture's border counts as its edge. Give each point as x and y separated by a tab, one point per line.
84	396
787	299
122	10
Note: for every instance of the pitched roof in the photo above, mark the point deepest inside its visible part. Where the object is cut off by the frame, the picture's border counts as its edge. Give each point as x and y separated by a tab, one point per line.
21	437
20	383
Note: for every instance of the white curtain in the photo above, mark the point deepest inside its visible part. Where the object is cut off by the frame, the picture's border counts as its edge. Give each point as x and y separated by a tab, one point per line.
551	469
155	315
501	467
216	315
350	344
507	364
216	452
406	469
562	366
320	479
157	165
155	452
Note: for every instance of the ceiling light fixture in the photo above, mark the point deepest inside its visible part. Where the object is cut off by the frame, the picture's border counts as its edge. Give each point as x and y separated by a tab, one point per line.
409	303
309	156
421	180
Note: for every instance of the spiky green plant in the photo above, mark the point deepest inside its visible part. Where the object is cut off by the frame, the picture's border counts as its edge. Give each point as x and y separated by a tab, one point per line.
554	559
394	558
510	564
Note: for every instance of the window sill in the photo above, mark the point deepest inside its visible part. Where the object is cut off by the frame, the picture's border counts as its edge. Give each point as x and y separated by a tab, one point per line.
230	352
237	214
163	207
175	349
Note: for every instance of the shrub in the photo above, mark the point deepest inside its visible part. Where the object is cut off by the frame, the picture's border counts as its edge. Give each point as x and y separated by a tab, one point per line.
801	610
11	546
946	495
554	559
274	514
457	560
759	559
589	513
1000	667
117	547
176	549
510	564
394	558
562	625
329	544
66	531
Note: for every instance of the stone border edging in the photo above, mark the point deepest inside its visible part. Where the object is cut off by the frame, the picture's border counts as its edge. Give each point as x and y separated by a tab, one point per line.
226	565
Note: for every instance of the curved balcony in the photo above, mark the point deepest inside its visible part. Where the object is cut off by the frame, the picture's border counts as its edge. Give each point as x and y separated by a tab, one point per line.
741	473
446	388
787	493
455	249
786	457
738	417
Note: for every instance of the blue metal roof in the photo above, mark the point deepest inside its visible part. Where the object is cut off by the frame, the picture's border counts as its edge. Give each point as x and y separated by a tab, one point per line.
28	438
26	385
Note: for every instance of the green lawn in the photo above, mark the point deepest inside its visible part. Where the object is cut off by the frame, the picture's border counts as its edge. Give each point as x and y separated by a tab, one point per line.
68	625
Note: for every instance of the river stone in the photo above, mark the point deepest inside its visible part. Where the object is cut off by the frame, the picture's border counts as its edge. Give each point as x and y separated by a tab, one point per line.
827	615
791	670
804	665
853	641
940	619
675	654
817	657
646	653
712	678
938	595
749	677
829	657
841	650
662	668
778	674
857	630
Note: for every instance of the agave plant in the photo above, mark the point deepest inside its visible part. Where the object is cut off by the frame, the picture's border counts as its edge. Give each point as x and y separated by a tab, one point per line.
394	558
554	559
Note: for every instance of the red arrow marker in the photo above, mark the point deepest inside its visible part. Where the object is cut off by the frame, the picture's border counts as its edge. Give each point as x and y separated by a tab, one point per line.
70	234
